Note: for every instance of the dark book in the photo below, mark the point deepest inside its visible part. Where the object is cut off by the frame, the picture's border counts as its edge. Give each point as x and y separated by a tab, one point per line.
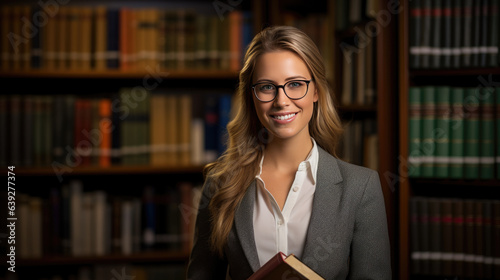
447	237
446	33
476	32
436	36
472	134
478	240
4	115
224	111
469	238
116	120
27	127
284	267
415	247
435	236
113	31
488	242
458	237
487	134
415	33
466	33
424	236
456	31
211	124
425	31
15	129
485	27
496	236
492	59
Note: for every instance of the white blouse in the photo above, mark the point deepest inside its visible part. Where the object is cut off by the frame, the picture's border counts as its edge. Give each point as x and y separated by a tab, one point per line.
285	231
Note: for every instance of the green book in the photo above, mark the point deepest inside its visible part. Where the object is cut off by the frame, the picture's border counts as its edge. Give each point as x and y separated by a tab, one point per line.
471	133
415	132
442	132
457	130
487	127
428	125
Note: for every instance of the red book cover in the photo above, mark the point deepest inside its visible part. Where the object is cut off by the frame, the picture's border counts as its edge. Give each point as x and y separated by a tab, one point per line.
268	267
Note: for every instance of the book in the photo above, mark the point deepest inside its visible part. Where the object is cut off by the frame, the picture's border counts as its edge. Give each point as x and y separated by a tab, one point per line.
428	125
457	133
497	120
282	266
442	132
471	140
487	130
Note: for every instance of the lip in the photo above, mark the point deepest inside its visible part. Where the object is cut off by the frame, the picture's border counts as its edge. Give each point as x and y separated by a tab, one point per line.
283	114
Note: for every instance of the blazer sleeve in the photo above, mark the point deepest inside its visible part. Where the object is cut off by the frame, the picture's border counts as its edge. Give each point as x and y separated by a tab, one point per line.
203	262
370	247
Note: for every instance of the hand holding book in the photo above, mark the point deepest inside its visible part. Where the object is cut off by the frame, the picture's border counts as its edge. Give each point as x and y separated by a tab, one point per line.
281	267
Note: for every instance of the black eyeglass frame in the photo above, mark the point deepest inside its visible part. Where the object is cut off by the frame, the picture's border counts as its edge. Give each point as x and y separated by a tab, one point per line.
277	87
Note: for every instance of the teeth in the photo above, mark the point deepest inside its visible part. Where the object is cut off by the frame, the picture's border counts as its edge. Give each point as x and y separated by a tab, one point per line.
285	117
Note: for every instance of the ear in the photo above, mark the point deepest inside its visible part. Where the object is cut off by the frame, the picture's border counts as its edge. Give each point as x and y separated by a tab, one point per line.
316	96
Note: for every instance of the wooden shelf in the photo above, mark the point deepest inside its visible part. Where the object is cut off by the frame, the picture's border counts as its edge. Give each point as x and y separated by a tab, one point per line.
454	72
116	170
160	256
118	74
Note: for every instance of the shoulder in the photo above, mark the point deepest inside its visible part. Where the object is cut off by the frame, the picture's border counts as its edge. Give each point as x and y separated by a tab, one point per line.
346	171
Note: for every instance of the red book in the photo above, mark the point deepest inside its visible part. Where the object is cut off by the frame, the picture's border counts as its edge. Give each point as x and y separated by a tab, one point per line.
284	267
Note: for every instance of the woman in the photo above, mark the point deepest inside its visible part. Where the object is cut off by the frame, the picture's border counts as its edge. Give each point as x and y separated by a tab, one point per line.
279	186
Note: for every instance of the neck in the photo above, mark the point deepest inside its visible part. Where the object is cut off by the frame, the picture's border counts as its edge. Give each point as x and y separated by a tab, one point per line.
287	154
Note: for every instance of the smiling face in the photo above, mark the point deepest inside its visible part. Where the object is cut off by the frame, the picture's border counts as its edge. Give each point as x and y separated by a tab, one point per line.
283	117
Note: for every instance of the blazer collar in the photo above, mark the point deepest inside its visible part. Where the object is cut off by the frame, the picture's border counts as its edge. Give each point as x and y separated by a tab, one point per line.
326	193
243	220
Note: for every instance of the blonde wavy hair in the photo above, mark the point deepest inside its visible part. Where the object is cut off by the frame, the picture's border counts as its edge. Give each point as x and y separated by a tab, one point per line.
230	176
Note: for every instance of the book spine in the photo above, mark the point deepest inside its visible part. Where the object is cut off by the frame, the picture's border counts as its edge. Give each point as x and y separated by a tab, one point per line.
426	32
446	31
471	142
476	32
436	36
497	138
456	33
416	250
479	240
492	59
415	25
469	238
457	134
496	238
415	131
487	137
484	26
487	235
447	240
458	237
442	132
435	242
113	25
428	126
467	33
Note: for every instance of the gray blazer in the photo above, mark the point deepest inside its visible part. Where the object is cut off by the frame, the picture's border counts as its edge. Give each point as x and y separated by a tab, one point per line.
347	236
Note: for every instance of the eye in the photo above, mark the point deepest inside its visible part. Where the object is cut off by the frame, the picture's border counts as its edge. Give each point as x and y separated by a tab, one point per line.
295	84
266	87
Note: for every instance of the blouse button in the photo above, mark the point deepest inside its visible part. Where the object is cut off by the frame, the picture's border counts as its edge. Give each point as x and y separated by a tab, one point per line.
280	222
295	189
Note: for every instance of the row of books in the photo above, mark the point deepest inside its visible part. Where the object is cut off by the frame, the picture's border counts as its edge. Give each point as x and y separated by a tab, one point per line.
358	72
351	12
116	271
455	237
125	38
452	132
72	221
453	34
132	127
359	143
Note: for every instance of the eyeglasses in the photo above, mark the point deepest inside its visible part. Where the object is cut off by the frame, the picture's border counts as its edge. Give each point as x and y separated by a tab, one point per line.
267	92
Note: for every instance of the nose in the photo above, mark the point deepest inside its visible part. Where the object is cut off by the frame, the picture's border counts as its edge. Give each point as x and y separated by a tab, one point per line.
281	99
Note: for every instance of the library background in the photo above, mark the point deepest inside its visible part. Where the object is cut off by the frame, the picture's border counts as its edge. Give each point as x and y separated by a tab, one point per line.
110	109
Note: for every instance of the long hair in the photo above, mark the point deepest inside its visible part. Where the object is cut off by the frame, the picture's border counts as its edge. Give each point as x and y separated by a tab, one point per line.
232	173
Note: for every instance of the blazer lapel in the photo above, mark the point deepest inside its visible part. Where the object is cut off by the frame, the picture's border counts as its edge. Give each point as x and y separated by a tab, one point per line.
244	227
325	204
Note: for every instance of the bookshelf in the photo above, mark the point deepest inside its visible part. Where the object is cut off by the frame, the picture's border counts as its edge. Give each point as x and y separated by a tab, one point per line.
449	235
208	73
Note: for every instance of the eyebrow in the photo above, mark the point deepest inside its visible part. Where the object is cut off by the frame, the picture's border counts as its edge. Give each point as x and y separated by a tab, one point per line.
287	79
